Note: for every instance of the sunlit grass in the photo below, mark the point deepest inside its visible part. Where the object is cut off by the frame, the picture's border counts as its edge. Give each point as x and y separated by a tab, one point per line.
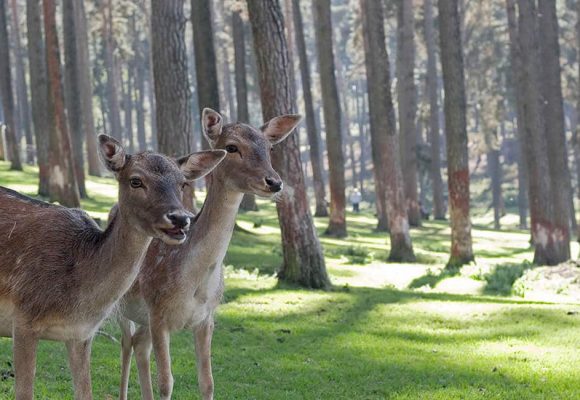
371	337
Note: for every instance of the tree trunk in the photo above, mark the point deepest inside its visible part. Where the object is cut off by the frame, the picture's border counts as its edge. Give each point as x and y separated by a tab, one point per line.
407	96
249	201
72	84
456	132
332	118
172	93
434	128
38	90
128	105
545	234
516	68
13	148
86	90
140	67
385	145
555	128
578	95
360	112
311	130
113	104
303	257
205	60
494	171
62	180
21	87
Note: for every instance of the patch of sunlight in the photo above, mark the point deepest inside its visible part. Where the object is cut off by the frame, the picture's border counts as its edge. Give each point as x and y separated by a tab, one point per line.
102	189
280	304
514	346
28	189
460	285
376	274
462	310
260	230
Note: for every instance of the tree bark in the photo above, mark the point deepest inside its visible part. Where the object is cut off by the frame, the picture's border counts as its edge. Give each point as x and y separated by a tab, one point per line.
21	87
456	132
578	95
243	115
62	180
303	257
140	68
332	118
205	60
389	189
72	84
172	92
434	127
313	134
38	90
516	68
560	180
13	149
545	234
86	90
113	104
407	96
128	105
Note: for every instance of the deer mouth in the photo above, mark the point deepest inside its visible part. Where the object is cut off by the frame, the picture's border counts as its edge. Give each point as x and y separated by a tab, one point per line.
174	233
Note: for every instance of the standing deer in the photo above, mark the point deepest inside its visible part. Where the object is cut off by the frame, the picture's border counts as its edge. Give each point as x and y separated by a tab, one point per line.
181	287
60	275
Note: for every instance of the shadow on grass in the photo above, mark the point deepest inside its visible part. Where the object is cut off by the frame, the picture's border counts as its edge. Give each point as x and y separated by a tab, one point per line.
432	279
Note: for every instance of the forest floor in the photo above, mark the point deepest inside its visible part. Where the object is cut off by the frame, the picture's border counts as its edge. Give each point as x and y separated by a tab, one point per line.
400	331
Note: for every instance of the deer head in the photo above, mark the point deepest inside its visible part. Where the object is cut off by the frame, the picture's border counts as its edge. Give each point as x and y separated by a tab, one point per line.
151	186
247	167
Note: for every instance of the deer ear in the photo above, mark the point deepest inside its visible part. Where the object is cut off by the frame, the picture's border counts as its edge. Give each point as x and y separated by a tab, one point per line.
278	128
198	165
211	123
112	153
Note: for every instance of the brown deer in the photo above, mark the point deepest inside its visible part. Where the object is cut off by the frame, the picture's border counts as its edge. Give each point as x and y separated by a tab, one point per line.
181	287
60	275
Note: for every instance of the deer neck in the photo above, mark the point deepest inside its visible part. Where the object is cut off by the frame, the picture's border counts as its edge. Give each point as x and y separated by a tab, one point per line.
213	229
117	263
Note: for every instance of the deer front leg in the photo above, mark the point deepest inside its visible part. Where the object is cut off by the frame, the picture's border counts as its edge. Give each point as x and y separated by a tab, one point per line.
24	353
161	340
203	335
126	352
79	358
142	347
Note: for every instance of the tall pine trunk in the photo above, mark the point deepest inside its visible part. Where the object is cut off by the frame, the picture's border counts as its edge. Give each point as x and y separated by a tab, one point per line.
62	179
72	84
243	115
385	145
303	257
86	89
113	104
434	127
545	234
38	90
407	96
13	148
456	133
314	141
21	87
516	68
140	67
561	189
332	118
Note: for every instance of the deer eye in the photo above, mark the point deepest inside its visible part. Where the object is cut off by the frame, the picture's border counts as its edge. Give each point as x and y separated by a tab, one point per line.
230	148
184	185
135	183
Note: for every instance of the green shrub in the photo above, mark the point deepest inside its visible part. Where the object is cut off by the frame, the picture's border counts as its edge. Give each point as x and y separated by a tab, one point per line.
501	279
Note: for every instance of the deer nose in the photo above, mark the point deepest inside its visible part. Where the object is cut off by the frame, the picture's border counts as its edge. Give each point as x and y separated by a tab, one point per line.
275	185
179	219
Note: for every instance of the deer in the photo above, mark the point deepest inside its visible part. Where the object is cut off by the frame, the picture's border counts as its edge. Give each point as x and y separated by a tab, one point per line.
61	275
181	287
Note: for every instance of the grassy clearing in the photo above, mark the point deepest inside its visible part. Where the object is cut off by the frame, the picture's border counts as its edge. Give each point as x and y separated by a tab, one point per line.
400	331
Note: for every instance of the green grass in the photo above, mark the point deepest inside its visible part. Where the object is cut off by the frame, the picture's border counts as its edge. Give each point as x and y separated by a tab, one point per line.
372	337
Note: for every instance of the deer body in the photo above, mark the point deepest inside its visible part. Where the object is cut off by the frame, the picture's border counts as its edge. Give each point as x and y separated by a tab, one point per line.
61	275
181	287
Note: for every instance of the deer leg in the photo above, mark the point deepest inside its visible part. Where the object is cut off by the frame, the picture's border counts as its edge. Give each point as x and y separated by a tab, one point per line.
126	352
142	347
79	358
24	350
161	340
203	335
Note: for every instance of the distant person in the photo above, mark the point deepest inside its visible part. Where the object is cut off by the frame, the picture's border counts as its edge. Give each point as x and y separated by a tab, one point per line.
355	199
